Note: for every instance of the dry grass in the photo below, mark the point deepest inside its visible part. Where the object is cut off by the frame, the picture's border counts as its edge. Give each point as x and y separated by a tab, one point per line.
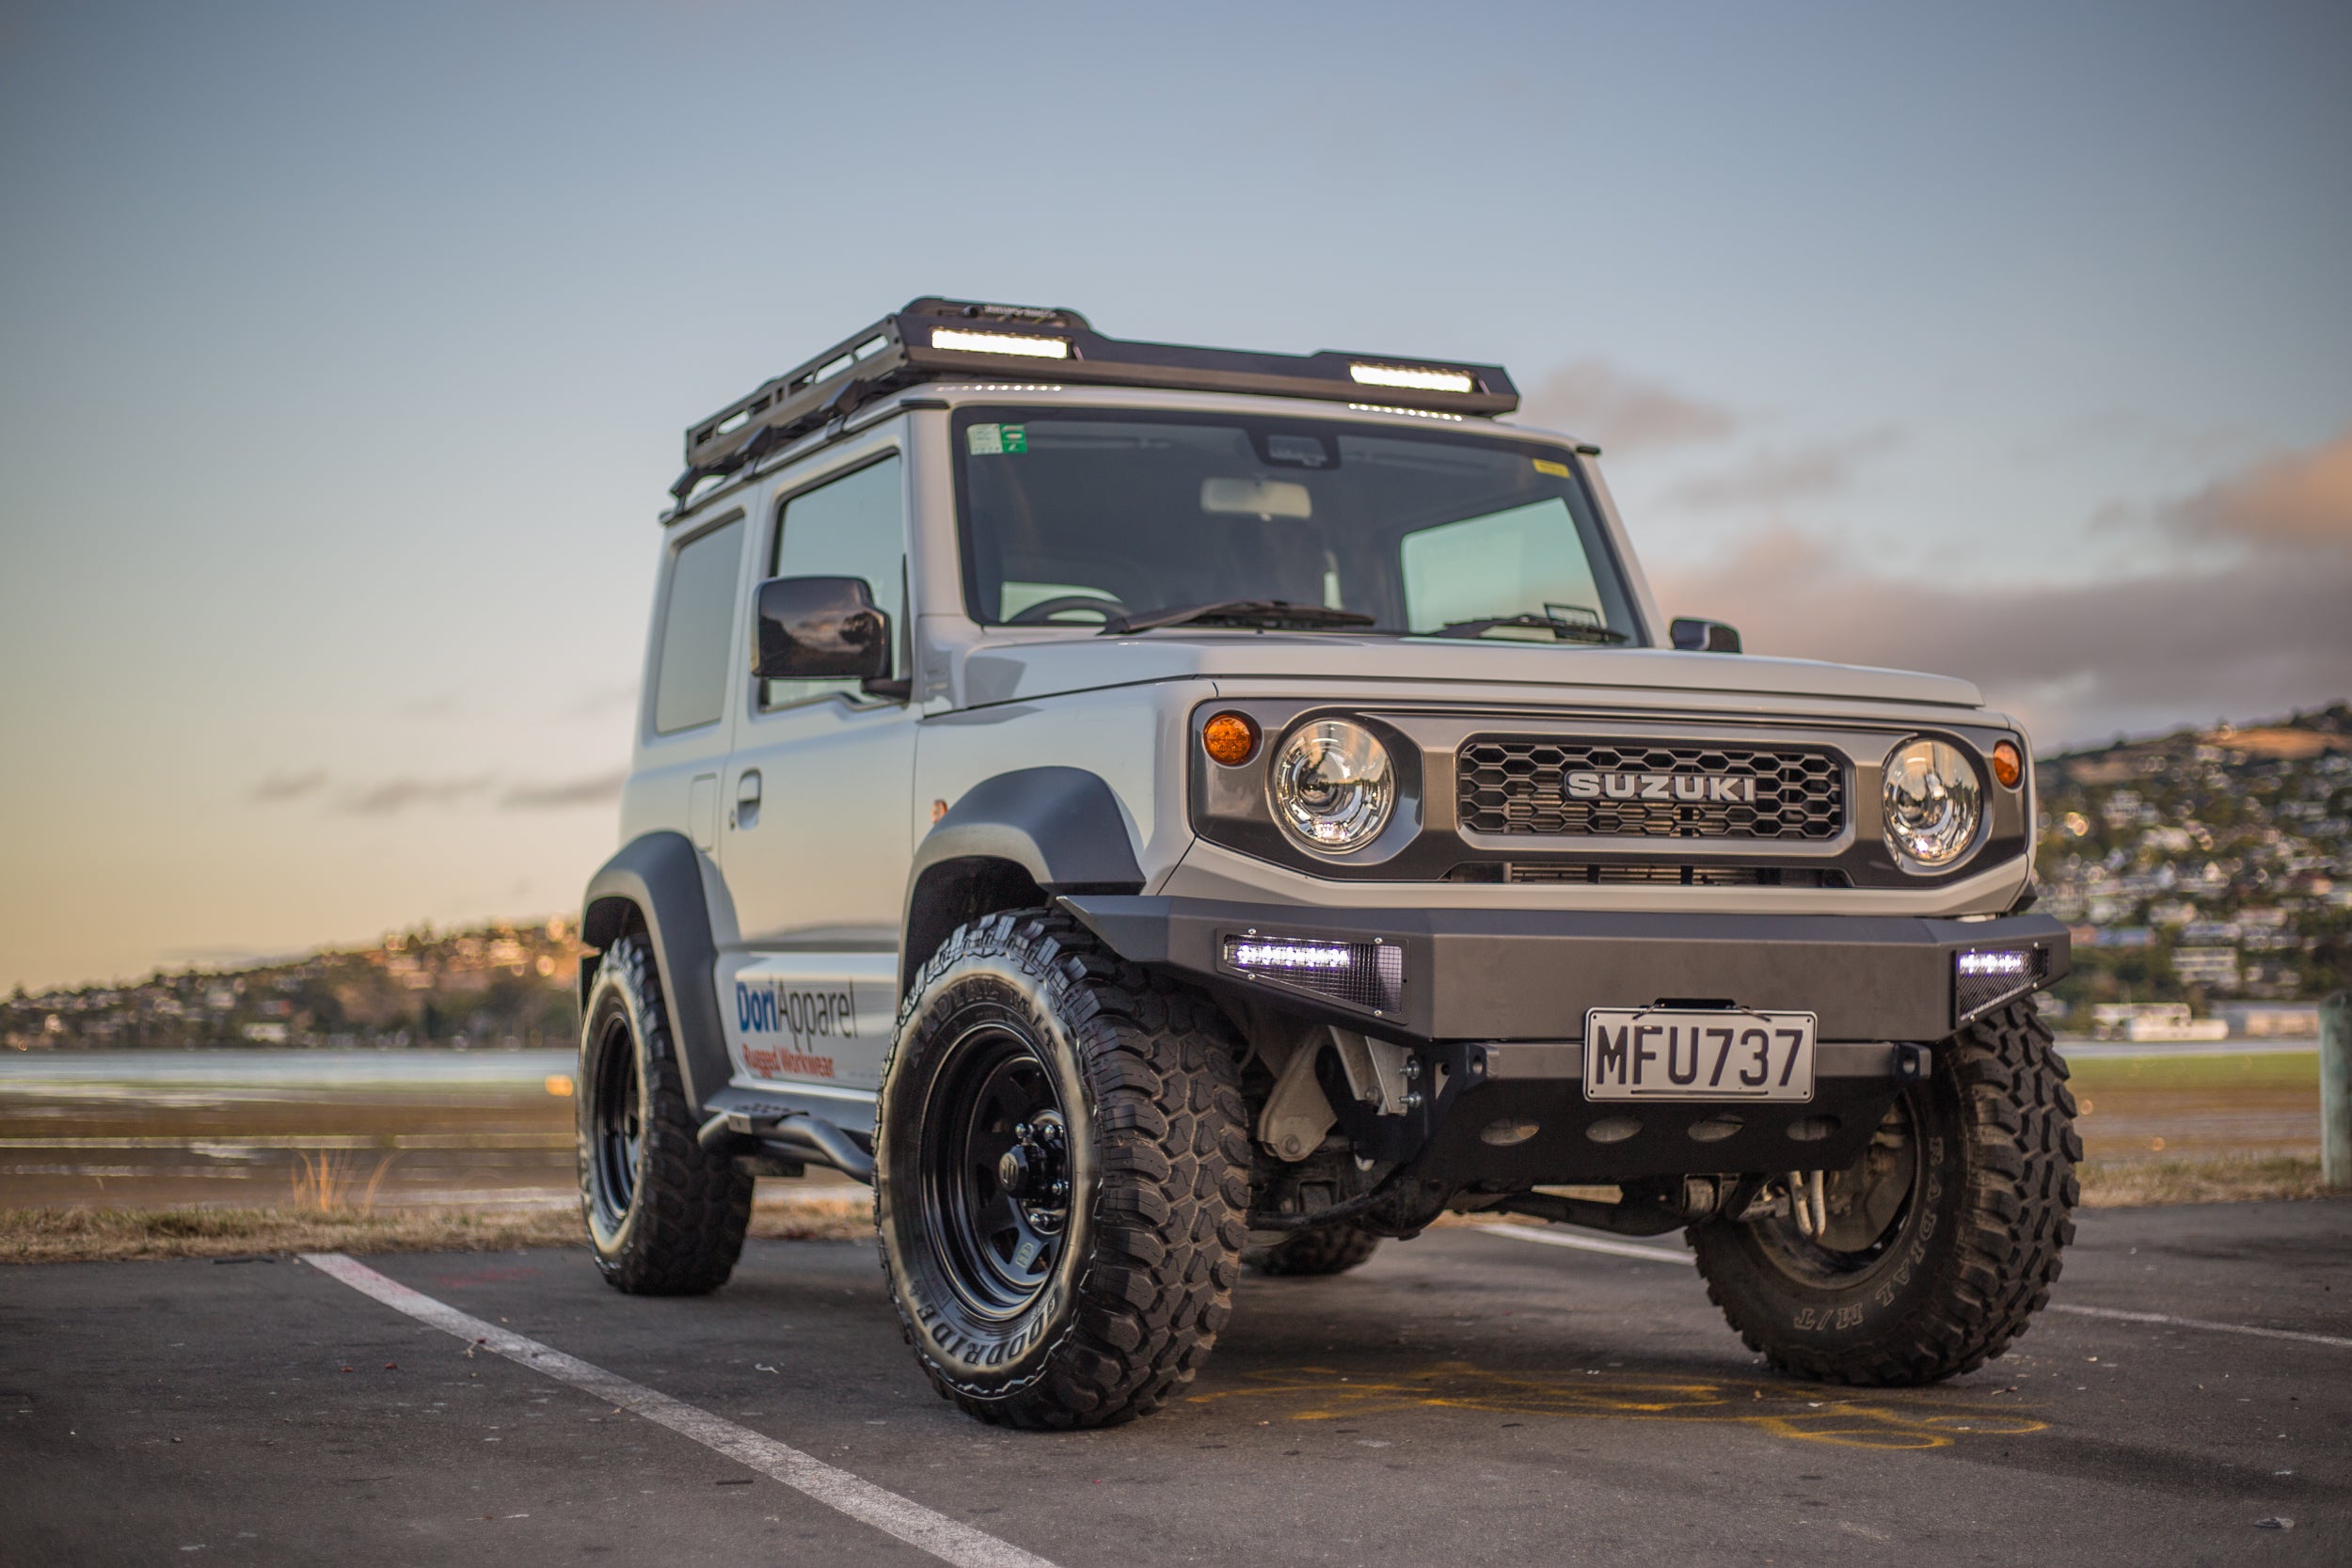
85	1235
2211	1179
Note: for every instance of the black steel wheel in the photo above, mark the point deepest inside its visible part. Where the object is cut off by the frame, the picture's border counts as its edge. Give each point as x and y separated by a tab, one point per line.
1942	1239
665	1216
1062	1167
994	1153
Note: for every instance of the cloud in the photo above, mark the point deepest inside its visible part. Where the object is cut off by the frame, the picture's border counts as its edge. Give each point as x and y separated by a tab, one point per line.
1620	411
2295	501
281	786
394	795
2259	632
1776	478
596	790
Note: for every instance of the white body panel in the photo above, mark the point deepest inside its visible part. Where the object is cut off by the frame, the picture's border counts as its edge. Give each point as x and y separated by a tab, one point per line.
811	1022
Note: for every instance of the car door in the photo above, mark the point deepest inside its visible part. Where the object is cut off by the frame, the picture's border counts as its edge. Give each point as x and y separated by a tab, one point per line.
818	834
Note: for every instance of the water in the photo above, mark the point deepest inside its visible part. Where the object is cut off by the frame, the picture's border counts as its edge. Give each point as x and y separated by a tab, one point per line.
232	1071
160	1127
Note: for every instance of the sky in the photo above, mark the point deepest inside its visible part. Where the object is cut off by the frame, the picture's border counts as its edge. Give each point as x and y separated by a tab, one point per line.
345	352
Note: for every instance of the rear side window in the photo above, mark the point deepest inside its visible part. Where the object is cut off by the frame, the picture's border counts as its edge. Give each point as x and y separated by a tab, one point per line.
697	631
851	527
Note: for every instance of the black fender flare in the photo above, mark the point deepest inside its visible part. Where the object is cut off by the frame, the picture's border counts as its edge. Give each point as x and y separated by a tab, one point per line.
658	876
1014	841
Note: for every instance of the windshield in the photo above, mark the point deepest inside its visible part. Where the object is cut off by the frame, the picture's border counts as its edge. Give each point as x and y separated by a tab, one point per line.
1086	519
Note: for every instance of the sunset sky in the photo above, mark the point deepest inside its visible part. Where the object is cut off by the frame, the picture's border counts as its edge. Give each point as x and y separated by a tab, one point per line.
344	354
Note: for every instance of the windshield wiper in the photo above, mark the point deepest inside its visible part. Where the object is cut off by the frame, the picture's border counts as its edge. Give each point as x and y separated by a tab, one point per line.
1269	613
1562	631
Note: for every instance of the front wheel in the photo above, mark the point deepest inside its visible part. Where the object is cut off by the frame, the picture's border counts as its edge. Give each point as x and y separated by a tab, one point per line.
1061	1171
1941	1242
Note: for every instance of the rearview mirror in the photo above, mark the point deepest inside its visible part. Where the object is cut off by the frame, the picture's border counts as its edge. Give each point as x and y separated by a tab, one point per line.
1703	637
820	629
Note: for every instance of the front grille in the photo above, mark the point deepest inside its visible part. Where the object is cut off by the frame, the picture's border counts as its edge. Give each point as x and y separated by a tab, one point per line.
1625	876
1510	783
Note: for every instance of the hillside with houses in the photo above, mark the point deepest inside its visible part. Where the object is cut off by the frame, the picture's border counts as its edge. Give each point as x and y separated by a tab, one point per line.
501	985
2211	867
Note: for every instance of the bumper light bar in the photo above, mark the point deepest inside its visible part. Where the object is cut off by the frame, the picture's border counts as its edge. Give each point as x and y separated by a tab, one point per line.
1984	979
1365	974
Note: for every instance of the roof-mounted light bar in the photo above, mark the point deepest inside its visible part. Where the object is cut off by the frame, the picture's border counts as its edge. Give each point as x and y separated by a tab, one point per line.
959	340
1413	378
943	339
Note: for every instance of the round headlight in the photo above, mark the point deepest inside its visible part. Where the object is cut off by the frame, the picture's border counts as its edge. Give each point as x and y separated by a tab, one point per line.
1332	785
1933	803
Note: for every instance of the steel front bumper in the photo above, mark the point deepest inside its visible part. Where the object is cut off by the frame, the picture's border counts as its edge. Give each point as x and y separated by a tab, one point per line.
1520	975
1495	1001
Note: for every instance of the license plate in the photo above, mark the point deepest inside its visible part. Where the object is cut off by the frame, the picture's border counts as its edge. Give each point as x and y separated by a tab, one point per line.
1662	1054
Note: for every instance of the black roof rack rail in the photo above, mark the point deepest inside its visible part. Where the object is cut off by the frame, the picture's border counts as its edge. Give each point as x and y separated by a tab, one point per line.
933	339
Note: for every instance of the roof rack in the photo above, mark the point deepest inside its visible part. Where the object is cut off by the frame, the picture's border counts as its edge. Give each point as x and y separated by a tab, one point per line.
932	338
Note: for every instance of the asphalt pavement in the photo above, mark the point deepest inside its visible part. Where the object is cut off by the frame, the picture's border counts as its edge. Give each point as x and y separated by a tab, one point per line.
1465	1397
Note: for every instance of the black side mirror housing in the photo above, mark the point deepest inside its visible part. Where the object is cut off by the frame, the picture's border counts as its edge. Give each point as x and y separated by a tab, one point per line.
820	629
1703	637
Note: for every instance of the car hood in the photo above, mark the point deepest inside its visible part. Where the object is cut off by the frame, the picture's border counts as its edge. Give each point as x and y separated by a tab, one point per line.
1005	670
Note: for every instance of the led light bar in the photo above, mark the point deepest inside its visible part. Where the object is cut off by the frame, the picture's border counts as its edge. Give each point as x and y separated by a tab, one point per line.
1289	955
999	342
1984	979
1369	975
1391	408
1411	377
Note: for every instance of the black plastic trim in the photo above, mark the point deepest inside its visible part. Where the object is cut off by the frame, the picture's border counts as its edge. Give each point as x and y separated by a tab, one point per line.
658	876
1042	830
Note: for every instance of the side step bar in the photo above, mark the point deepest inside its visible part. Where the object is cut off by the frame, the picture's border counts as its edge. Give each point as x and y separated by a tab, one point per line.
797	1137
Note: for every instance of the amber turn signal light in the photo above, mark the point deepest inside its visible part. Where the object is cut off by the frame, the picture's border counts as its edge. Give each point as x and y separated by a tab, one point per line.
1231	739
2008	765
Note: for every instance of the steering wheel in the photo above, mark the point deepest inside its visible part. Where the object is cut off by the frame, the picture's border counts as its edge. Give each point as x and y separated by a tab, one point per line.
1062	604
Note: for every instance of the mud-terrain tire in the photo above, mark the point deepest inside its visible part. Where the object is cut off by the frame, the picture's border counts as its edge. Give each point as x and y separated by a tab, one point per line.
665	1216
1989	1140
1062	1163
1330	1249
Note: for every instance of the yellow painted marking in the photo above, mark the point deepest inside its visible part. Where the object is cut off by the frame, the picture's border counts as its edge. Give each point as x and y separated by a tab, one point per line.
1805	1412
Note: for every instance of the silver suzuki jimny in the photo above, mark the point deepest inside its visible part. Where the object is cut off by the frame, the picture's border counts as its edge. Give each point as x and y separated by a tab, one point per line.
1151	810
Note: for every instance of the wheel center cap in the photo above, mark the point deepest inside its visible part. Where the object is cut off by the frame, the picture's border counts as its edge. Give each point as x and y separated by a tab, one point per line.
1015	1171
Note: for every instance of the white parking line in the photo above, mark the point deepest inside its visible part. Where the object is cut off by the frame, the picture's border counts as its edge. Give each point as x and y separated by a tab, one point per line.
2200	1322
861	1499
1661	1255
1585	1244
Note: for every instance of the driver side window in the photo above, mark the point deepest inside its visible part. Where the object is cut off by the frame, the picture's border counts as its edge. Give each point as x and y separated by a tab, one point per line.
851	527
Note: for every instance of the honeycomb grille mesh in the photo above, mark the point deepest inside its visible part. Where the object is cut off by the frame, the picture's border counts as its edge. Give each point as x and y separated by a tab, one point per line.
1508	783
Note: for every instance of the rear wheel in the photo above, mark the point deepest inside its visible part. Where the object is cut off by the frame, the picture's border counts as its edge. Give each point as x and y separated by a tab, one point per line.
1061	1163
665	1216
1330	1249
1941	1242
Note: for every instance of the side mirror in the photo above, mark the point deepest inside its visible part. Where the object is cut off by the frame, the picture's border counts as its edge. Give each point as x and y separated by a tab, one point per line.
820	629
1703	637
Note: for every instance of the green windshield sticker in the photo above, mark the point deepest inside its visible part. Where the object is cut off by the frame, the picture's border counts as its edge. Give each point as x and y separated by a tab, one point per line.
994	441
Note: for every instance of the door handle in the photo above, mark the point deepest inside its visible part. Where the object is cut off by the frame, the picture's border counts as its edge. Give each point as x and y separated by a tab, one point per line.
746	811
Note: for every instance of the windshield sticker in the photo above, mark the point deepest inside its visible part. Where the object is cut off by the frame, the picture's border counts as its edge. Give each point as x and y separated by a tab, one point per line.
1543	465
993	440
